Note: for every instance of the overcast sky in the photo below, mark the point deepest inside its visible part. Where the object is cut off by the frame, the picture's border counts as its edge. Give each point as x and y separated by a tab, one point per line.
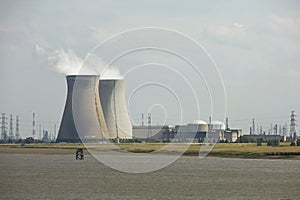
255	44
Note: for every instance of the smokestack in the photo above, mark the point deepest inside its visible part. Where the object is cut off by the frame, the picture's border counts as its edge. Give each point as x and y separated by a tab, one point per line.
227	124
80	118
112	98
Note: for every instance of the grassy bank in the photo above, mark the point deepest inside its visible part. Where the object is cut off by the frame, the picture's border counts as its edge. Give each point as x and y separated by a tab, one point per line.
241	150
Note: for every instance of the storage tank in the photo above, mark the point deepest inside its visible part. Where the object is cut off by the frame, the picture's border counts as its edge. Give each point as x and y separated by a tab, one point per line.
112	98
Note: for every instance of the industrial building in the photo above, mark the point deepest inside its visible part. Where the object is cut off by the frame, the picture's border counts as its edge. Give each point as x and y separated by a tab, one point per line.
153	133
200	130
263	138
94	110
232	135
196	131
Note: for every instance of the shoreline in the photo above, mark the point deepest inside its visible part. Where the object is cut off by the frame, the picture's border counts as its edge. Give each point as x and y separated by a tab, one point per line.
242	151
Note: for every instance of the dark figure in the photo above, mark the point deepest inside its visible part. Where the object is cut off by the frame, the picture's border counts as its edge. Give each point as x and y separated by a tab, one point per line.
79	154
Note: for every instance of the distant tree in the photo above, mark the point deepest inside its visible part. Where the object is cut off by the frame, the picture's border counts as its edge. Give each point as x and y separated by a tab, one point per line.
10	140
298	142
18	141
259	142
293	144
243	139
273	143
29	140
252	140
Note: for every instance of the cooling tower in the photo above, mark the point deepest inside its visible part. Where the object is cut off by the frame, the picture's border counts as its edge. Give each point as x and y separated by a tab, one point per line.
112	98
94	110
80	119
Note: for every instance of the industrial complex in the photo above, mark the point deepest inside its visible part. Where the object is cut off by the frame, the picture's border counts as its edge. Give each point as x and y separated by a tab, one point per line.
196	131
95	110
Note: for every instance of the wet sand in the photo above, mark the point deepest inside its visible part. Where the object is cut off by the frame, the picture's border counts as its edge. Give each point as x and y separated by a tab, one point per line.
41	151
71	151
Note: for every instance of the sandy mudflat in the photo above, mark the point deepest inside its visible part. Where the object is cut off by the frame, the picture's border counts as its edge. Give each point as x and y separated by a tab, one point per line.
41	151
220	150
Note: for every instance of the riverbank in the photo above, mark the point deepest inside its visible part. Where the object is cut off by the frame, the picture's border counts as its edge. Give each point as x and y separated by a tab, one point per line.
230	150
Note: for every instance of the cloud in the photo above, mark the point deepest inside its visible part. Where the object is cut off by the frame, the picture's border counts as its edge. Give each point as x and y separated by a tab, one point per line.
285	20
232	31
230	34
39	50
286	25
237	25
98	34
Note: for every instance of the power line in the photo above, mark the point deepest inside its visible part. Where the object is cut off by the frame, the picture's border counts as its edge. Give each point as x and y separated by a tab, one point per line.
149	125
293	132
33	125
3	127
54	131
253	126
40	131
17	128
11	132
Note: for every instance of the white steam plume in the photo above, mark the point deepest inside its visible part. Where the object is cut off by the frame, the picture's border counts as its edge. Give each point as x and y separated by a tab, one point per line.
68	63
96	64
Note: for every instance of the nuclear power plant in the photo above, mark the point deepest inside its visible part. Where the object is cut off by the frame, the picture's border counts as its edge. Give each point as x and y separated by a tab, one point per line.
95	109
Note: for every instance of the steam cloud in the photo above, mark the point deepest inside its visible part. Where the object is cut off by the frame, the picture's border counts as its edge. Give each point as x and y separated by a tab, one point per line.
68	63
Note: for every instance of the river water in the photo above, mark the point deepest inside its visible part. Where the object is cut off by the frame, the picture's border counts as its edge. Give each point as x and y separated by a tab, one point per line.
62	177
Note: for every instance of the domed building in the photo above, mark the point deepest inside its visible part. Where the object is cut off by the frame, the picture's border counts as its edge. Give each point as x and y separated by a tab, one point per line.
193	131
217	125
199	125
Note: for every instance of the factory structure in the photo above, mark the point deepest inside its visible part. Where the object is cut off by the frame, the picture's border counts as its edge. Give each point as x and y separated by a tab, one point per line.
275	132
196	131
95	110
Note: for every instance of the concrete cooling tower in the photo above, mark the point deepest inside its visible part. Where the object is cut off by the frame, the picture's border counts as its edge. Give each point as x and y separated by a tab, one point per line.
86	118
80	99
112	98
